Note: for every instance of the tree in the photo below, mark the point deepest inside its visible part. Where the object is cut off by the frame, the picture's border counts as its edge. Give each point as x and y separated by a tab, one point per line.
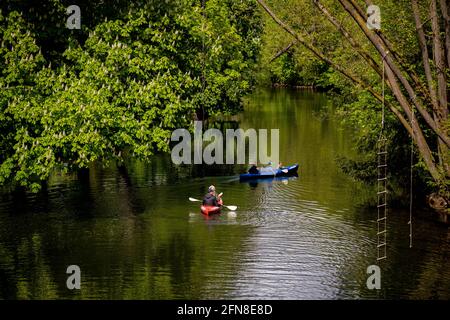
119	86
417	94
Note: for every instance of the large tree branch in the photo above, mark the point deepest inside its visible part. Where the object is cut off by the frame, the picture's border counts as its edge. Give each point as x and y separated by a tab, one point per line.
446	15
338	68
309	46
417	133
414	131
420	87
350	39
438	54
350	6
425	55
440	62
282	51
380	33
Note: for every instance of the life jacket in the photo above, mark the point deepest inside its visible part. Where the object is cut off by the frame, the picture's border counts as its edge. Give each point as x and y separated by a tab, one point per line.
253	170
209	200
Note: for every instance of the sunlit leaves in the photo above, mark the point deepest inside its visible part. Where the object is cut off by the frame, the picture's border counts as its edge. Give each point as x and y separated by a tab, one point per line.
121	85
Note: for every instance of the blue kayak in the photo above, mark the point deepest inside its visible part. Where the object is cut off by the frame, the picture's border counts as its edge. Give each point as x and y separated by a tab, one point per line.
271	172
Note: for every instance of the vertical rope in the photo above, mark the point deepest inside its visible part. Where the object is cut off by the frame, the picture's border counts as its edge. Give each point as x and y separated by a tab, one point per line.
203	57
385	158
411	177
382	177
382	110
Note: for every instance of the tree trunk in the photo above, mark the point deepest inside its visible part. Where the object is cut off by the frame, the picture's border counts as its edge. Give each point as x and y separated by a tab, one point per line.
417	133
420	87
425	55
445	13
438	54
394	76
338	68
350	7
350	39
282	51
439	61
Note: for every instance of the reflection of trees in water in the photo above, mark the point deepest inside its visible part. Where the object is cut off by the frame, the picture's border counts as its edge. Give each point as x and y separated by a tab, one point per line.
117	232
26	273
7	273
122	226
420	272
267	182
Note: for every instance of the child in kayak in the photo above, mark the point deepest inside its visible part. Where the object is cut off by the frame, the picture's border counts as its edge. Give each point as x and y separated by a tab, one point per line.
210	199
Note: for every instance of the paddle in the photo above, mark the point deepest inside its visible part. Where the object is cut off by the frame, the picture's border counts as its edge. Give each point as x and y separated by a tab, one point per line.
273	171
232	208
282	170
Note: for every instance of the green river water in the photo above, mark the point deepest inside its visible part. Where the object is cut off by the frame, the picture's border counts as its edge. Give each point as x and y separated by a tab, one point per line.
135	235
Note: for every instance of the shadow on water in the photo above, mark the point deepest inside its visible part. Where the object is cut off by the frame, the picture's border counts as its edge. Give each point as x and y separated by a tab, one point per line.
269	181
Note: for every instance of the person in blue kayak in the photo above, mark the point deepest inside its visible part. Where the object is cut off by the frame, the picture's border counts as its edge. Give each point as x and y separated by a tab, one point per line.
278	166
210	199
253	169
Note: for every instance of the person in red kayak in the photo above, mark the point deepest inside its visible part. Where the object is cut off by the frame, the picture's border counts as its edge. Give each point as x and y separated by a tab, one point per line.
210	199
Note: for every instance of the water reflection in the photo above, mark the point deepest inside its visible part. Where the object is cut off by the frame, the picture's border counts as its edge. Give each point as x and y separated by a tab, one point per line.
269	181
135	235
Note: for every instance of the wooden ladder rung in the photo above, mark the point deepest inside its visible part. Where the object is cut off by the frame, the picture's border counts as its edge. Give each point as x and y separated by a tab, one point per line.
382	198
381	245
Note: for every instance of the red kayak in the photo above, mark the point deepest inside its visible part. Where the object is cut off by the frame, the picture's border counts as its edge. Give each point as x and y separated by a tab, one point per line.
211	209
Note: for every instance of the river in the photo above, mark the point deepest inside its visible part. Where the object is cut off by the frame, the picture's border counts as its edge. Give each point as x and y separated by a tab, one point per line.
135	235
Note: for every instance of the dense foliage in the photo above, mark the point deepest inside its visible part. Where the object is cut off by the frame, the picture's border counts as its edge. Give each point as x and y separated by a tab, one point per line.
297	65
120	85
